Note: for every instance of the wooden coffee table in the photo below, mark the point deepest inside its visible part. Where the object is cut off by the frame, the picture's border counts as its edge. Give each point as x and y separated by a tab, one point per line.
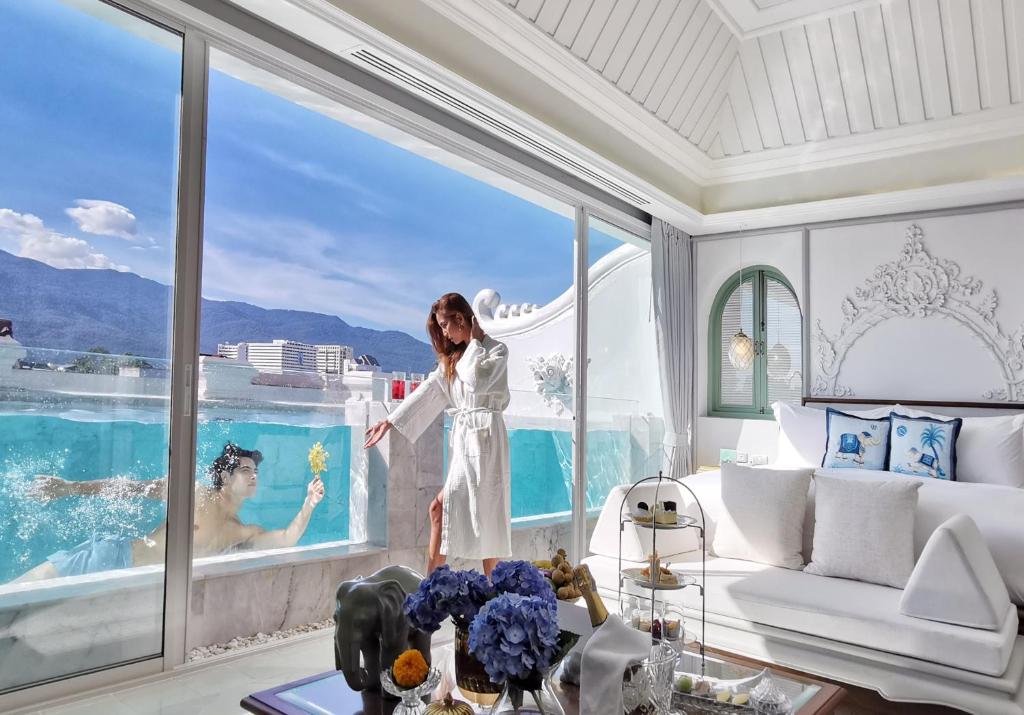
816	697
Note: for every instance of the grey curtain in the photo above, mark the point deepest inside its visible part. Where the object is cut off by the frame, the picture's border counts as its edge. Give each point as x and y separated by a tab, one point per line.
674	322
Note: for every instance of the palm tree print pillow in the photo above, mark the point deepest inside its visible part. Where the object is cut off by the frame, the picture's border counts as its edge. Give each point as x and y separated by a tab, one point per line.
923	446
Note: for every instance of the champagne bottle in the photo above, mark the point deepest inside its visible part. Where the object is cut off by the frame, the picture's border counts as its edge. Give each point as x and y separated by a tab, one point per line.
584	581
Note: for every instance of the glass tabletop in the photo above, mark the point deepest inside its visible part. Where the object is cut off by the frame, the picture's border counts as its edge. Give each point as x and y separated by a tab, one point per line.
798	691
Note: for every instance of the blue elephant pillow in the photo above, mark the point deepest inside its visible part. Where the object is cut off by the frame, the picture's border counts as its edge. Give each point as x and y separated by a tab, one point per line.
855	442
923	446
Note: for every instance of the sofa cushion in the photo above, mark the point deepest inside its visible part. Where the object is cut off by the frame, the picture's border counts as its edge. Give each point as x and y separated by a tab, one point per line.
864	530
990	450
855	442
802	432
762	515
995	509
923	446
854	612
637	541
956	580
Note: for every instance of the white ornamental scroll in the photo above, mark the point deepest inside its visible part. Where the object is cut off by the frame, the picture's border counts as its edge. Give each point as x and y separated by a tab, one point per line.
917	285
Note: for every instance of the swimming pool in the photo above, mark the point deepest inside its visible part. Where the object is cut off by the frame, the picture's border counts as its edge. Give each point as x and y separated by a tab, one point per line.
79	447
83	445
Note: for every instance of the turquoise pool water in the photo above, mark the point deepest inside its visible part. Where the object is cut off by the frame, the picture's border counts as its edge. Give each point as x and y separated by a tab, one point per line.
542	468
82	447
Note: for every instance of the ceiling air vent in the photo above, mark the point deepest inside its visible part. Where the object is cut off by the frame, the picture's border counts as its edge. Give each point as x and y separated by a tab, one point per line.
385	67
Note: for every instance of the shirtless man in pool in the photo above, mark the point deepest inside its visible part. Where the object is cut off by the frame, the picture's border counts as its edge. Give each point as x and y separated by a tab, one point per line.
217	527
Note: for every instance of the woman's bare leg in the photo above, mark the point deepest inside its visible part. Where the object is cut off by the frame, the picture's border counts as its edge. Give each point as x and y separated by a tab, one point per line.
489	565
435	558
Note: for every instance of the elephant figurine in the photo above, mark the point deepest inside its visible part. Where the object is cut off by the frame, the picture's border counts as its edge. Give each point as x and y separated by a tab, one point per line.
370	622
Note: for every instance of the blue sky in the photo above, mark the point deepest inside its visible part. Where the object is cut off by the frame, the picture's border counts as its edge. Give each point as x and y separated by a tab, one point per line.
302	211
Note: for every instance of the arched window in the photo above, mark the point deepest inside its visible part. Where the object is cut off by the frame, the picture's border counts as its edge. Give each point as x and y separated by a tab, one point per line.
754	342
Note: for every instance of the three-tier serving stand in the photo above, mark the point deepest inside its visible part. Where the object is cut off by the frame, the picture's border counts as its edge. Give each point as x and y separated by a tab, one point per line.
635	576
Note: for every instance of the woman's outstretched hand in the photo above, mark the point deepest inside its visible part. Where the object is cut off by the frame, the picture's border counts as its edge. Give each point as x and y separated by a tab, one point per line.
476	332
376	433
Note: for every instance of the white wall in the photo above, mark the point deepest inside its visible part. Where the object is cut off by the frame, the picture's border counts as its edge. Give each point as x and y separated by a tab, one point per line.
948	314
716	262
918	356
623	354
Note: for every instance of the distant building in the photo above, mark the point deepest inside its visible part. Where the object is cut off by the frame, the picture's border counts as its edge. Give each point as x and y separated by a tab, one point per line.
331	358
363	363
288	355
230	351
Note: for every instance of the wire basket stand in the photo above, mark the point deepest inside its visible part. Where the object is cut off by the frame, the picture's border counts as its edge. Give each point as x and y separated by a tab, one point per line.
683	522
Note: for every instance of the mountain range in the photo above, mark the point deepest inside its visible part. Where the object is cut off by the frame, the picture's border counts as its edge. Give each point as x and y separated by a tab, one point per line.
78	309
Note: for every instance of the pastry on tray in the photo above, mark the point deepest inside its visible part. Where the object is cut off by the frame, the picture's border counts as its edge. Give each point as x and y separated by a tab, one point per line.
642	514
664	576
665	513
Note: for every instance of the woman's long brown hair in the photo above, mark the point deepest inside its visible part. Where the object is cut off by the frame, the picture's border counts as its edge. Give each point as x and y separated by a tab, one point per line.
448	353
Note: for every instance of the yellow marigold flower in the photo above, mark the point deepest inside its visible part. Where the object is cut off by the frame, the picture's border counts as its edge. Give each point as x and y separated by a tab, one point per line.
318	459
410	669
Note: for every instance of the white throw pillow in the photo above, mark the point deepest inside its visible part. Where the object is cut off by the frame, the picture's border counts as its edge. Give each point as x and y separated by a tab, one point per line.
956	581
762	515
636	541
864	530
802	432
989	450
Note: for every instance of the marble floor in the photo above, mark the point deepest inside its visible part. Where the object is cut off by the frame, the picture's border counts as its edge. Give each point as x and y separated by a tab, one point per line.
217	688
214	689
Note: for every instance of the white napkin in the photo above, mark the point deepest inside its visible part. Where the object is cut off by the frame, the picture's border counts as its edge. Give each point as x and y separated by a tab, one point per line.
613	647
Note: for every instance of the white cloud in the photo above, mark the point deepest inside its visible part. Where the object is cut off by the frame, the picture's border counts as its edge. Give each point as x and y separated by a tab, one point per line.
27	236
283	263
106	218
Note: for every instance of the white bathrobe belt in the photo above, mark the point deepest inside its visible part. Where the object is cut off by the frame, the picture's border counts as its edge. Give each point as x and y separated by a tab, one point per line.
457	412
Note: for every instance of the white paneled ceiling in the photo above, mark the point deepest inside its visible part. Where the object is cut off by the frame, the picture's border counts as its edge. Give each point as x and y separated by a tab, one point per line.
735	77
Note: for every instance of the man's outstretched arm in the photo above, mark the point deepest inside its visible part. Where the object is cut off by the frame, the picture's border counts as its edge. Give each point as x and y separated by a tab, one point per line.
47	488
290	535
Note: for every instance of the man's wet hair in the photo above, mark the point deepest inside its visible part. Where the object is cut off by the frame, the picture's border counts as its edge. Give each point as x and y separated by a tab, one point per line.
229	459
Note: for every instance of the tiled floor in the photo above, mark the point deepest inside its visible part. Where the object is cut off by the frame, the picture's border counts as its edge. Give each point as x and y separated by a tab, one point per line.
215	689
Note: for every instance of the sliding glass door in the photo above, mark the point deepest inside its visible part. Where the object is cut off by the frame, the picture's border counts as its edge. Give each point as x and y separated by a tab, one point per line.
89	127
623	421
327	237
320	236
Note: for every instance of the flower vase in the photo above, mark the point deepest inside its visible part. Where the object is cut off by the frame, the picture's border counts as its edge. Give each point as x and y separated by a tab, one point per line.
532	695
470	675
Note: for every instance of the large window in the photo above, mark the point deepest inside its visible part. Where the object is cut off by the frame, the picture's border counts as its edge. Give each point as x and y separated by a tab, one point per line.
324	236
624	415
754	339
89	102
327	238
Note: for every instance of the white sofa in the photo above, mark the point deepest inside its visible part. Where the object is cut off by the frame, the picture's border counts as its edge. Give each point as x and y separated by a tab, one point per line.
846	630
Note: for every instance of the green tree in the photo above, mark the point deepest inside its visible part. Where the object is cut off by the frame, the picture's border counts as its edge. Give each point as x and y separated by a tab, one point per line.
93	363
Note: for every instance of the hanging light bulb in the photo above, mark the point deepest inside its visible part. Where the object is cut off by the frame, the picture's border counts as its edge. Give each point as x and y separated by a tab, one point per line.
741	347
779	359
741	351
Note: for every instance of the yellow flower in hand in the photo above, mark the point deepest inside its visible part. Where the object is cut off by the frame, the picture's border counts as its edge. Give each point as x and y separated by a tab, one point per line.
318	459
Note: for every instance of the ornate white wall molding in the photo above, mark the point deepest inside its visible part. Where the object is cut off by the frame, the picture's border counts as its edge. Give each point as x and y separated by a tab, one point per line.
917	285
487	305
552	376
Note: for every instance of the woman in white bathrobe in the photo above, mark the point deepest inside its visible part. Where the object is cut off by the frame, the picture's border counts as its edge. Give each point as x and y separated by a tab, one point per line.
471	516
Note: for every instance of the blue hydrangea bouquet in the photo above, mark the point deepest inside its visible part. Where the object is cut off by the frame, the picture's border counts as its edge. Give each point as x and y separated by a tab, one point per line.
512	620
